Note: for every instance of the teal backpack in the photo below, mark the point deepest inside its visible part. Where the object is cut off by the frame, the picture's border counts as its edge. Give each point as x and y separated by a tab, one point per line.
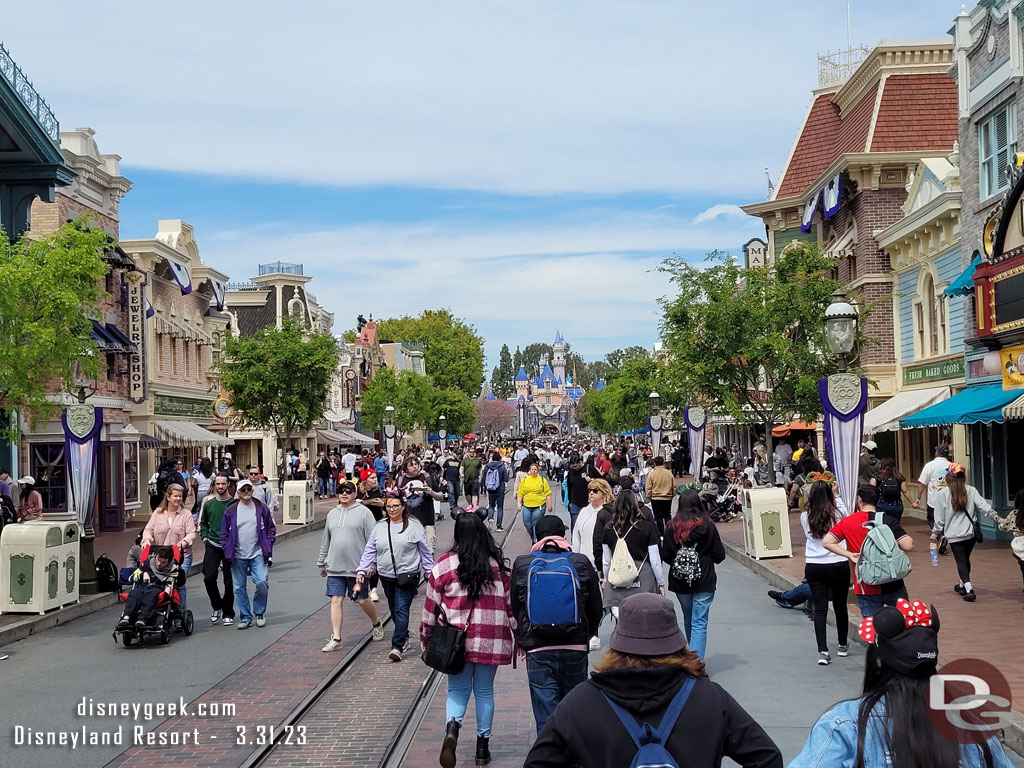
881	560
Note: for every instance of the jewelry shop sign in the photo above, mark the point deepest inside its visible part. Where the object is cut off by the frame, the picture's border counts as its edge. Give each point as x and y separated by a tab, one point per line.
136	334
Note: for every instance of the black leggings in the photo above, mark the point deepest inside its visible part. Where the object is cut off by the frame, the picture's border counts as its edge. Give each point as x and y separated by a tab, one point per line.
962	554
829	581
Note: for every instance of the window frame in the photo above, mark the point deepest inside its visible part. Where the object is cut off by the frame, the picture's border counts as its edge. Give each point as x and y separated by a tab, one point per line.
992	161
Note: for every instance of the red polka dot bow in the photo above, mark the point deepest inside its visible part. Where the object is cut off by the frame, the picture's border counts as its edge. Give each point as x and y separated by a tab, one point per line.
915	614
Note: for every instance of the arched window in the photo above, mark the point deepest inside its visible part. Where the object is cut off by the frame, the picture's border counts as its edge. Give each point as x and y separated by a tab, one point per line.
931	331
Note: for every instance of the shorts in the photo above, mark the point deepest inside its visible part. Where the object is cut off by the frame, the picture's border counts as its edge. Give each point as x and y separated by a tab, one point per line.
339	586
472	488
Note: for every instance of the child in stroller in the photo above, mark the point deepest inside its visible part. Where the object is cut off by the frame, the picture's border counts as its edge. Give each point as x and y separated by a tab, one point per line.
153	605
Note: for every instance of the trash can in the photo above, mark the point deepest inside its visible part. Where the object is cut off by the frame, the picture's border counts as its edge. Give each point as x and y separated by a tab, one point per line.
71	559
766	523
31	555
298	502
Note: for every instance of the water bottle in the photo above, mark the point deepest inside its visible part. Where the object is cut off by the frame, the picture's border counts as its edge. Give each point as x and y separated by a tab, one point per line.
933	550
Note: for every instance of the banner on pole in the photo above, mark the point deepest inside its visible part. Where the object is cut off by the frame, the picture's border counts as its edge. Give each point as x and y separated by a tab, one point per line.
844	400
82	425
696	419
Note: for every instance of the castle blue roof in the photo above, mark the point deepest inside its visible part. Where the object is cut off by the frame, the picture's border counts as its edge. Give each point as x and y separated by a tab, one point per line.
601	384
521	376
490	396
558	337
574	392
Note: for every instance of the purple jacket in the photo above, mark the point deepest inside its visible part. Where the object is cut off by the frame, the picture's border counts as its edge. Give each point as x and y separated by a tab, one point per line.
267	531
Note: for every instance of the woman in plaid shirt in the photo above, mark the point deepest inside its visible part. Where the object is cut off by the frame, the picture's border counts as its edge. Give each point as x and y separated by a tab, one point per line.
472	583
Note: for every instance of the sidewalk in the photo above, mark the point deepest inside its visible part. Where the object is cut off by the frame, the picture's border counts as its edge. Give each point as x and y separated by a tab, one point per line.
18	626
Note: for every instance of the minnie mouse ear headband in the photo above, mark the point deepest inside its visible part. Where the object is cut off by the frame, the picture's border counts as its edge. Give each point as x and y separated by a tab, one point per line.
396	493
956	469
907	637
827	477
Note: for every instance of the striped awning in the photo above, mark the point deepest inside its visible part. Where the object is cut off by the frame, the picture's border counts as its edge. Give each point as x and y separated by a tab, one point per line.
886	416
188	435
1014	411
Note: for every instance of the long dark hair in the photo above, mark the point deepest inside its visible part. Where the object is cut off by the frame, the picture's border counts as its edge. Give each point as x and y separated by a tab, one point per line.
206	467
821	509
807	463
689	514
957	485
888	469
912	740
398	495
627	512
476	549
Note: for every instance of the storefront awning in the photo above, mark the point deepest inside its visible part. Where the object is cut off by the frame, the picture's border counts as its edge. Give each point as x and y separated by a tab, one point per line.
974	405
356	438
886	417
795	425
330	437
964	285
187	435
1015	410
148	442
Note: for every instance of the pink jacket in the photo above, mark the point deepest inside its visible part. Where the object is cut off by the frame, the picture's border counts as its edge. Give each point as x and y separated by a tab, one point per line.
165	530
489	617
31	508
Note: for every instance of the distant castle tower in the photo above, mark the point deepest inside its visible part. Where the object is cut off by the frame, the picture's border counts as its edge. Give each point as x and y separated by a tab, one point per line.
522	384
558	363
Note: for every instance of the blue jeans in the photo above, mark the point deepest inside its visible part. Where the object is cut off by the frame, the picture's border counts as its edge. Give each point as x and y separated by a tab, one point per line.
453	495
322	485
399	601
332	486
186	566
240	571
801	593
552	674
871	604
477	679
696	608
532	516
574	512
496	505
381	477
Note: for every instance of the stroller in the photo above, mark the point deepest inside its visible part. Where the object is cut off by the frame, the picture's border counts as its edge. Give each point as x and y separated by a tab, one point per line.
722	507
168	617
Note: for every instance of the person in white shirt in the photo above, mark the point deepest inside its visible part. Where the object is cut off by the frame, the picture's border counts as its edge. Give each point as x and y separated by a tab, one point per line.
599	493
957	509
349	462
827	574
520	454
933	479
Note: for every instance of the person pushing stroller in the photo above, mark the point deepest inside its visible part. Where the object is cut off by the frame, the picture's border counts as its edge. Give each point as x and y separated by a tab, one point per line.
155	577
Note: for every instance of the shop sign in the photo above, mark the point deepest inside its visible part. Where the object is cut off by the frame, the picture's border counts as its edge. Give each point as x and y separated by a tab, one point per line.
165	405
1011	362
756	252
136	334
934	371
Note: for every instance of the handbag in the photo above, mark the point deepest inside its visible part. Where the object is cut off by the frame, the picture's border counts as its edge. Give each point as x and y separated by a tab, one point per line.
446	650
978	535
403	580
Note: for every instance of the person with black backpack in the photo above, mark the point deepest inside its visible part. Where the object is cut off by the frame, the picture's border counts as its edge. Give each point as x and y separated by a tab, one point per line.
692	548
650	703
892	488
556	599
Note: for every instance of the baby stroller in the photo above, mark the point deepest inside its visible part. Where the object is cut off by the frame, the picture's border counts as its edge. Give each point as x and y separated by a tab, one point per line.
168	617
721	507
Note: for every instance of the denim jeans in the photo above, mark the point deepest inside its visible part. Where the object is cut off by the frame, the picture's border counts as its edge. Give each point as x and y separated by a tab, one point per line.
477	679
532	516
240	571
552	674
399	601
574	512
871	604
453	495
696	608
801	593
496	505
186	566
332	486
322	485
381	477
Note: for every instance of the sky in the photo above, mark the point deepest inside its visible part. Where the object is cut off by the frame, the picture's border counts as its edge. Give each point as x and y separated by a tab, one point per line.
527	163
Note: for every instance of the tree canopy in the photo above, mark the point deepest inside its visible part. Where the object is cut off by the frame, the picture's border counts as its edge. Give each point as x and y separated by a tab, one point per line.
625	403
494	416
407	392
502	378
48	289
456	407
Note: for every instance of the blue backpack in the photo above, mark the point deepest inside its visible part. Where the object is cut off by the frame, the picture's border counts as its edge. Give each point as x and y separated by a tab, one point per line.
650	742
493	477
552	592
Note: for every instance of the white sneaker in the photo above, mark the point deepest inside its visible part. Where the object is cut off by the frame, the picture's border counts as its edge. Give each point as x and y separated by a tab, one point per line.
261	620
824	658
373	595
378	632
228	621
332	645
216	617
843	650
595	643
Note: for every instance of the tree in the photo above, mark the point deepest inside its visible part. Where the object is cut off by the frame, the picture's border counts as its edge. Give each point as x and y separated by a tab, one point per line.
453	352
457	409
517	360
504	374
749	342
494	416
48	289
597	370
407	392
279	378
617	360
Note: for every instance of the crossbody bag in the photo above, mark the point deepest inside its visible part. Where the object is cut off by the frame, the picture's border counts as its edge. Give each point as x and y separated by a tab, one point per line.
403	580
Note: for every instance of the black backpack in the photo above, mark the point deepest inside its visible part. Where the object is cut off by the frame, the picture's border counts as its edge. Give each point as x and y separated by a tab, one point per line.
889	489
165	478
106	574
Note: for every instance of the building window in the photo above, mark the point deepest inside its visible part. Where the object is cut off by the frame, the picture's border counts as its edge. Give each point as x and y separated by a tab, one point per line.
111	366
188	358
919	322
131	472
931	332
174	355
997	141
47	463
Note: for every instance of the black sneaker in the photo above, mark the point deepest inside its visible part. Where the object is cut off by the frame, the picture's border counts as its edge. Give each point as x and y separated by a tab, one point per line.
774	594
140	626
959	589
970	597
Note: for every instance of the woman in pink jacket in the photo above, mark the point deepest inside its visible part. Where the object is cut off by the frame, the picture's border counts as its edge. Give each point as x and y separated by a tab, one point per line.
172	525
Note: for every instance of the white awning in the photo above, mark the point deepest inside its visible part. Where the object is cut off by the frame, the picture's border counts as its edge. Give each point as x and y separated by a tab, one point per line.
356	438
330	437
886	417
1015	410
187	435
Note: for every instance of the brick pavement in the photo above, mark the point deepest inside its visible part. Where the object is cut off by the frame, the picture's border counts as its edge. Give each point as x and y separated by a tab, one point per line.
985	629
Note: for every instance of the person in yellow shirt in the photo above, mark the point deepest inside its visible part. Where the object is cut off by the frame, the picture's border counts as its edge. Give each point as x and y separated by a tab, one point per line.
532	499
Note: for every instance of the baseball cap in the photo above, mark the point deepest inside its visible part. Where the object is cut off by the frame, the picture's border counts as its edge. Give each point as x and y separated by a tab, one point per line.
243	484
348	485
942	450
870	445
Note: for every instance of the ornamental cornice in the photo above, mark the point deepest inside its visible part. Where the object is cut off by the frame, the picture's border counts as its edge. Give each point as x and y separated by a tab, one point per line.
924	233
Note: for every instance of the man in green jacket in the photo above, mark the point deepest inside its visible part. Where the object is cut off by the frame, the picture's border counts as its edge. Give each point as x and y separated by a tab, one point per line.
210	516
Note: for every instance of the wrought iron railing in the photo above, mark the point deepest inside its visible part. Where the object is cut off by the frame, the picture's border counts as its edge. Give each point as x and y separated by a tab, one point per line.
280	267
29	96
835	68
245	285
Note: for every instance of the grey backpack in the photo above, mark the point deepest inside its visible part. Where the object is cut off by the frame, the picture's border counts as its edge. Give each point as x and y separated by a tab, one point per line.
881	560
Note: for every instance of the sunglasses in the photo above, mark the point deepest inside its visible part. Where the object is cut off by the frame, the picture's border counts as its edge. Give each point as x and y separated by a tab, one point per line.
346	490
592	490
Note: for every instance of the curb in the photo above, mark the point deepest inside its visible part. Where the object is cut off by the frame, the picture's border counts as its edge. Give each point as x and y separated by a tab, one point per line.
1012	736
34	624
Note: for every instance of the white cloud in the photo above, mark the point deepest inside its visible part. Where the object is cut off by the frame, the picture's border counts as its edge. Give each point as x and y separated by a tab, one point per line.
720	209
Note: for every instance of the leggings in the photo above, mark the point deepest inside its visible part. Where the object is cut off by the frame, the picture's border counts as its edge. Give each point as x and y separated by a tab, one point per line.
829	581
962	555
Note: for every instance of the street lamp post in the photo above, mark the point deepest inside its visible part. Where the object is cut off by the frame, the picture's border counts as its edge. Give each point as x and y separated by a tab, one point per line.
655	423
389	433
844	398
521	405
442	433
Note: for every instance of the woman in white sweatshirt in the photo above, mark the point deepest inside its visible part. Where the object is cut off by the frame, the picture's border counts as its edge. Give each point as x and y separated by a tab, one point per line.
956	511
600	497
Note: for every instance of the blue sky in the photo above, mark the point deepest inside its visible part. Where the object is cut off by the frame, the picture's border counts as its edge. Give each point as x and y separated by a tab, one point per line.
527	163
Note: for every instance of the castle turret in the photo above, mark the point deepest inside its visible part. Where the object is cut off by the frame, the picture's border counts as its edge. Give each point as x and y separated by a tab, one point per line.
522	383
558	361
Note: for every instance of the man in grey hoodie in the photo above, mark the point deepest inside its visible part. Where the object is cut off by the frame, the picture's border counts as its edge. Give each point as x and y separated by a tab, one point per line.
348	527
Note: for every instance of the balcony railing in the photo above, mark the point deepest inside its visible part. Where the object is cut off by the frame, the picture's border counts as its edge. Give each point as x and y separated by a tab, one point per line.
280	267
245	285
835	68
30	97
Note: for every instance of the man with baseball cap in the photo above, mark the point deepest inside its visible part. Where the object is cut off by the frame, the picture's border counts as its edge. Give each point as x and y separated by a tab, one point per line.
869	463
648	676
932	479
247	536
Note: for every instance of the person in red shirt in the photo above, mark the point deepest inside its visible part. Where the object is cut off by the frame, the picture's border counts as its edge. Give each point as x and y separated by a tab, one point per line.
851	531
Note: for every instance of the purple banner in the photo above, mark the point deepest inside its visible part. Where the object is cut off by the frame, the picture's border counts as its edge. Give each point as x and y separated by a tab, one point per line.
844	400
696	419
82	425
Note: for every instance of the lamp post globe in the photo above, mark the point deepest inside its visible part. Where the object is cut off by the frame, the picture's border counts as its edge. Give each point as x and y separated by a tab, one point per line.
389	415
655	399
841	327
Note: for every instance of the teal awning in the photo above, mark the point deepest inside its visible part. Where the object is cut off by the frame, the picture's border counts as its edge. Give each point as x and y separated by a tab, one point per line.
972	406
964	285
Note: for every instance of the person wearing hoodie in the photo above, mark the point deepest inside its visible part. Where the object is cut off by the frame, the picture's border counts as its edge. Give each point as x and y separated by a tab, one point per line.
556	654
692	548
869	464
576	489
497	474
646	670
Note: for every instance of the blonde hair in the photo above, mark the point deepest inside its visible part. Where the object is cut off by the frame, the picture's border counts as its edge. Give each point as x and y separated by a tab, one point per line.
167	495
601	485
